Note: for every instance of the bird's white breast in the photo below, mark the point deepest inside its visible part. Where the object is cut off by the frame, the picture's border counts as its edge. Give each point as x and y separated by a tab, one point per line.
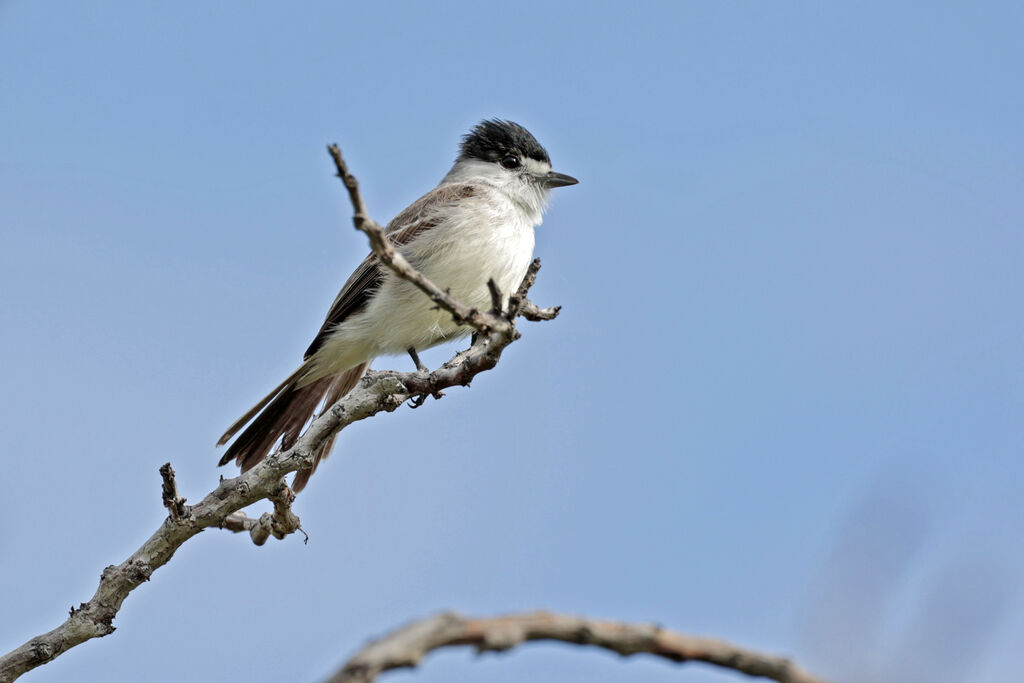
488	235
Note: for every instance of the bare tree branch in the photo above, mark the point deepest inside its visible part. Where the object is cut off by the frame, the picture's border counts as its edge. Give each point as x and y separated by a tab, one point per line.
406	647
281	522
174	503
519	305
377	392
360	216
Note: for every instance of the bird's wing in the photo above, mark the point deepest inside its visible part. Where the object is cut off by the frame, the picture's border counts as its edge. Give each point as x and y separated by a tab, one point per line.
420	216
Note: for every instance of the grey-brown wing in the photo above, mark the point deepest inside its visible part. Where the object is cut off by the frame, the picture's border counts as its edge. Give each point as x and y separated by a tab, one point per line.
352	297
421	215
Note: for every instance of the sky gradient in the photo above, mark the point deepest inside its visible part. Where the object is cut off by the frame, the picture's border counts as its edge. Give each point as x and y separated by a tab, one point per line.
782	404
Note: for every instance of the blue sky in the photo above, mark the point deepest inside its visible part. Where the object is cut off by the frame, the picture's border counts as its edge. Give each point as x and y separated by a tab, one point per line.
782	405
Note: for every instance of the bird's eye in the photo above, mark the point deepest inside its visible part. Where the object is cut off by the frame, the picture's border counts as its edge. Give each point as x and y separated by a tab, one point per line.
511	161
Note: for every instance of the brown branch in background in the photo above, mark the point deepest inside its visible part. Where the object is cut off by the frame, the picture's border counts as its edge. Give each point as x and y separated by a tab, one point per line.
406	647
377	392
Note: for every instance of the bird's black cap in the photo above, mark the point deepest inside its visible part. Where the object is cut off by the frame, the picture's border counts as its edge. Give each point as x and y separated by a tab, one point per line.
494	139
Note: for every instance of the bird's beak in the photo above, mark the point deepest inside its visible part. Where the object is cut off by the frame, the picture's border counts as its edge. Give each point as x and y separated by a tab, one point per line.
552	179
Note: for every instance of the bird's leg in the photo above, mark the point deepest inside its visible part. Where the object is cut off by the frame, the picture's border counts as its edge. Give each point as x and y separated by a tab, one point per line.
420	367
417	401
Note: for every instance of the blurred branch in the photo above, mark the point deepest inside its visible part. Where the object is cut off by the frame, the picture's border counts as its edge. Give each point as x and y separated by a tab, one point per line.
377	392
406	647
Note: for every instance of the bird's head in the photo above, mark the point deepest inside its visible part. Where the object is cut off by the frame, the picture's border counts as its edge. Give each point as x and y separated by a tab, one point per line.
508	156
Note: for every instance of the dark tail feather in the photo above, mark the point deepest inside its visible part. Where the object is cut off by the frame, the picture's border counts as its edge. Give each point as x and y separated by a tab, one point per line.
302	476
282	415
244	420
342	384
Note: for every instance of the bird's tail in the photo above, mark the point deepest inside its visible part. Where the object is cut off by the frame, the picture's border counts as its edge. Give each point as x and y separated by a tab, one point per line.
281	415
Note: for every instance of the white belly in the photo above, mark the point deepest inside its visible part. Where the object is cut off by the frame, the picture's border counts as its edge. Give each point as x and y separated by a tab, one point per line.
457	256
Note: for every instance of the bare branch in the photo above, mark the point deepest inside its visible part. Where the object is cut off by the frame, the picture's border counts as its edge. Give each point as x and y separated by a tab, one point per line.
238	522
534	313
529	280
406	647
174	503
519	305
278	524
360	215
495	292
377	392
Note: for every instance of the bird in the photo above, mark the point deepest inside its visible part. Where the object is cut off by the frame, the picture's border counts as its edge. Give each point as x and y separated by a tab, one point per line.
476	224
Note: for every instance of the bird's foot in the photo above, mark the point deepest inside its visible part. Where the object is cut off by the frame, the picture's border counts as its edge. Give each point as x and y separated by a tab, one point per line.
420	399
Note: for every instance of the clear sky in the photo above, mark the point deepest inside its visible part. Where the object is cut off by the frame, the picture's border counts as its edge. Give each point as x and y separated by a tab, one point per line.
782	405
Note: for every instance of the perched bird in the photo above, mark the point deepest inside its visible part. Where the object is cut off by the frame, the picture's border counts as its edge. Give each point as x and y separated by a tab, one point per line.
477	224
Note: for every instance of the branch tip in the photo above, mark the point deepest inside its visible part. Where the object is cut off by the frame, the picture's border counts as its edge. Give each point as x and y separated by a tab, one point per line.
174	503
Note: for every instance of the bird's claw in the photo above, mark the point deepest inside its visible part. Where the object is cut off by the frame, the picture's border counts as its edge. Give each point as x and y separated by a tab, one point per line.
420	399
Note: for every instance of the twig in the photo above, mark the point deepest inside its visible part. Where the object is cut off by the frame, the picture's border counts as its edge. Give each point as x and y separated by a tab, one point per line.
406	647
238	522
495	292
519	305
360	216
379	392
279	523
174	503
534	313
